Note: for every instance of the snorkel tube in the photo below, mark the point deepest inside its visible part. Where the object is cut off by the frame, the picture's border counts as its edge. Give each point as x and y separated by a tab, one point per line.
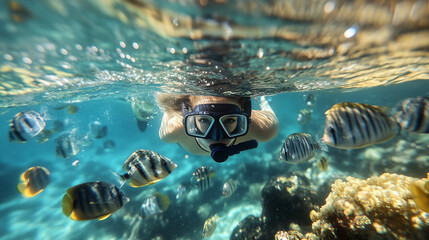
220	152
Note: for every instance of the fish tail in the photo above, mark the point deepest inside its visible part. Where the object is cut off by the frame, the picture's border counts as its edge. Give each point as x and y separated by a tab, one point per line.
322	146
121	178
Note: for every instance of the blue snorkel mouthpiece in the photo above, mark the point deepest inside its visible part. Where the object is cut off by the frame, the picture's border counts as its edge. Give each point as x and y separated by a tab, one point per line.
220	152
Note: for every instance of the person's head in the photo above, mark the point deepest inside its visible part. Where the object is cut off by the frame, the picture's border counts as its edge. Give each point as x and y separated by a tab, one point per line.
216	120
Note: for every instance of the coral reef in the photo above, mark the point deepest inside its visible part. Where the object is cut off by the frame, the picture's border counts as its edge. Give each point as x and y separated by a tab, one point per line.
376	208
294	235
249	228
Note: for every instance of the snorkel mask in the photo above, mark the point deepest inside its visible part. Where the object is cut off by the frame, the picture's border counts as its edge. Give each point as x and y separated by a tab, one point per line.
219	121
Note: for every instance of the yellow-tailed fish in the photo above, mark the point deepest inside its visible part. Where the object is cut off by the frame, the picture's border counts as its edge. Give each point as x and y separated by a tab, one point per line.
34	181
355	125
420	195
146	167
72	109
93	200
323	164
210	226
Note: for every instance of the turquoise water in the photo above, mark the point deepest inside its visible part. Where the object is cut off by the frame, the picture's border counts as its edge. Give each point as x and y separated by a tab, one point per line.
97	55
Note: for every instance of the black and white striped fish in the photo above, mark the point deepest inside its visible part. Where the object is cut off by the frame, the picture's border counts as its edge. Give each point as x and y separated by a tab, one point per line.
146	167
154	205
34	181
354	125
203	178
25	125
229	187
412	114
300	147
66	145
93	200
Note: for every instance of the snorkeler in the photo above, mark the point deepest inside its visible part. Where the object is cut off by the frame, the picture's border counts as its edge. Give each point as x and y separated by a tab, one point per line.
216	126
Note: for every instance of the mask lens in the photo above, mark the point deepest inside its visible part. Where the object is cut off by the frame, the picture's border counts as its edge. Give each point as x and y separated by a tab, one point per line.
234	124
198	125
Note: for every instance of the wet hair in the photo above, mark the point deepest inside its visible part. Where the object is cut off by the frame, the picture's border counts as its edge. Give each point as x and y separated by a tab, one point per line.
173	102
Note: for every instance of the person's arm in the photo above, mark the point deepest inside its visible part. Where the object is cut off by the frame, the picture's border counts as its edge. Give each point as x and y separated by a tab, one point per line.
264	125
171	129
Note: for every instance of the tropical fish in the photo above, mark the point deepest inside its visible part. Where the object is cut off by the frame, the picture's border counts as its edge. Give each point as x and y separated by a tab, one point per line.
323	164
93	200
229	187
18	12
34	181
109	144
203	178
412	114
97	130
143	110
71	109
210	226
420	195
354	125
154	205
26	125
300	147
146	167
66	145
310	100
182	190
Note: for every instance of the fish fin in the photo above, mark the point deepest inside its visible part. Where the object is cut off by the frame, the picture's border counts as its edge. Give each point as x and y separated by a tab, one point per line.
322	145
120	178
104	217
22	188
420	196
67	205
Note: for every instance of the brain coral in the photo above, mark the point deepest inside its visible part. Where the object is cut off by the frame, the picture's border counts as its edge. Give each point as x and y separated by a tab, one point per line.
376	208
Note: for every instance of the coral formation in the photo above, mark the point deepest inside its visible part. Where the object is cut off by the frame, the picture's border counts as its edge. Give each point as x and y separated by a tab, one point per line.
249	228
376	208
294	235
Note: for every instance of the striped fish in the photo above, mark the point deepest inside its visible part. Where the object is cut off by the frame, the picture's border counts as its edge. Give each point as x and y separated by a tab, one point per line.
25	125
300	147
203	178
413	114
354	125
66	145
34	181
229	188
154	205
93	200
146	167
210	226
323	164
97	130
